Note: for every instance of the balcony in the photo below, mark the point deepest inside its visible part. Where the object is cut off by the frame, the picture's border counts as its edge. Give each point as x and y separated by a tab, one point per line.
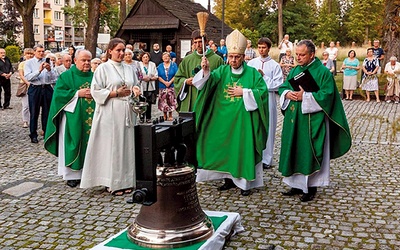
67	22
47	21
46	5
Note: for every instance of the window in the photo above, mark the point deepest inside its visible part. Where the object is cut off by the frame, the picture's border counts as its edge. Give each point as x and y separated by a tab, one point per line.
36	29
57	15
36	13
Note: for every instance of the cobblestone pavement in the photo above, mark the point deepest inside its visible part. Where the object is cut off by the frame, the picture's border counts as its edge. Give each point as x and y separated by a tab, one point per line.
359	210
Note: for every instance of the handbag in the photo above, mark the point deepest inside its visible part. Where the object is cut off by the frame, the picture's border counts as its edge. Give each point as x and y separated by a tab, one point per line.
151	97
22	89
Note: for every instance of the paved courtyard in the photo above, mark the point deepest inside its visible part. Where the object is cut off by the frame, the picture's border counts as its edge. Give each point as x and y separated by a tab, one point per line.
359	210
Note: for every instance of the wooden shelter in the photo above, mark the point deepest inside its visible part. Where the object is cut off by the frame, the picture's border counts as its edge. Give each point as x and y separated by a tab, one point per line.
168	22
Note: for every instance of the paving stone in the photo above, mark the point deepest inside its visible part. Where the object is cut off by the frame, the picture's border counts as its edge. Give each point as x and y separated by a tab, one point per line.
359	210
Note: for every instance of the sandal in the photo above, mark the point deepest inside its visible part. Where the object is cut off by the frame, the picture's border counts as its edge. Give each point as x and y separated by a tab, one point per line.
116	192
128	191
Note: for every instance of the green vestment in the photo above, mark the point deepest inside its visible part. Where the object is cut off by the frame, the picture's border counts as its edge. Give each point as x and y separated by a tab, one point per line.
231	139
303	135
189	66
78	123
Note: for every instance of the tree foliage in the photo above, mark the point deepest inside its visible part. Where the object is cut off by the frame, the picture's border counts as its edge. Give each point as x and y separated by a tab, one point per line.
10	26
328	26
333	20
108	10
365	20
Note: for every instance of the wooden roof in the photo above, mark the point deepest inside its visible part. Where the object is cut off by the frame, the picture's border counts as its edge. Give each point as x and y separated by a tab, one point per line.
168	14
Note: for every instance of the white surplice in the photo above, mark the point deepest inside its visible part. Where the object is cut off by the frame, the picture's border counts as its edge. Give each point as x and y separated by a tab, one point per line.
322	177
66	172
110	155
273	78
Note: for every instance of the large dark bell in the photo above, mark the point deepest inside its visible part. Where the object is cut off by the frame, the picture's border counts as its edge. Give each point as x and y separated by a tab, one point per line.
176	219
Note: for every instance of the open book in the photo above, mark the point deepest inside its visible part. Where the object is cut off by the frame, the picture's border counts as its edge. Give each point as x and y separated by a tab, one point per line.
305	80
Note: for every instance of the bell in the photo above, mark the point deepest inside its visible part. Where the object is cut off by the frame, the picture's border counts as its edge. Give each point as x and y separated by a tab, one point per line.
176	219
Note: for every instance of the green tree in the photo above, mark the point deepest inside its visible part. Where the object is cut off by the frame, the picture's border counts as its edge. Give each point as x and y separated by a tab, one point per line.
328	26
364	20
250	12
10	26
294	22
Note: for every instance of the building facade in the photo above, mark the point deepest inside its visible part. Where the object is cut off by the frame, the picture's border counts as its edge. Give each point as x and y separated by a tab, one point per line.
51	27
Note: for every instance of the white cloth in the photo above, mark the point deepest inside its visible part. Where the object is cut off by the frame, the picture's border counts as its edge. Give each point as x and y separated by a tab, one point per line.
273	78
396	69
284	47
66	172
110	155
230	227
320	178
332	53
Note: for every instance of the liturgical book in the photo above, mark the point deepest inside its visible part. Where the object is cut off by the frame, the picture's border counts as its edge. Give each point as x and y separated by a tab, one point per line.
305	80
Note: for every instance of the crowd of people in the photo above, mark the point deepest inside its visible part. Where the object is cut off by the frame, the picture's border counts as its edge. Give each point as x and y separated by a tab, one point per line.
87	121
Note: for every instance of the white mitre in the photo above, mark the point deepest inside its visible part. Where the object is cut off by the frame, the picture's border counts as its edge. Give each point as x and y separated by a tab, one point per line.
236	42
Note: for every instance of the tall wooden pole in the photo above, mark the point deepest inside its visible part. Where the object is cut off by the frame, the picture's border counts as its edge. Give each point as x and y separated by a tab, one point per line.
280	20
223	19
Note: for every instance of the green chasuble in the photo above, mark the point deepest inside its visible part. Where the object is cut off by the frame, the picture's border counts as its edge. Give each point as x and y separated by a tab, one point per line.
303	135
78	123
189	66
231	139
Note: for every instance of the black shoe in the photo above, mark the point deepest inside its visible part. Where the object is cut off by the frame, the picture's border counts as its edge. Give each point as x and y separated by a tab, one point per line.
266	166
310	195
307	197
245	192
227	185
73	183
34	140
7	108
293	191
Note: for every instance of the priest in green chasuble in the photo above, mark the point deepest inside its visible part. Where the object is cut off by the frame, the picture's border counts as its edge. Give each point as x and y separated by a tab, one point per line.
315	127
231	120
70	118
186	93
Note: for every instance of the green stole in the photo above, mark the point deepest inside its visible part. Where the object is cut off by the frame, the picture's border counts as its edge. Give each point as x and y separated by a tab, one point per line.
303	135
231	139
189	66
78	123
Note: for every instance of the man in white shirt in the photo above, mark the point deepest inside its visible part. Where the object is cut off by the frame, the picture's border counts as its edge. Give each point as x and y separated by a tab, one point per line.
284	45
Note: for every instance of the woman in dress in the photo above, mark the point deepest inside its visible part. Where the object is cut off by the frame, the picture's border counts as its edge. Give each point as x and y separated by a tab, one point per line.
392	70
350	68
148	83
110	155
370	80
166	95
287	63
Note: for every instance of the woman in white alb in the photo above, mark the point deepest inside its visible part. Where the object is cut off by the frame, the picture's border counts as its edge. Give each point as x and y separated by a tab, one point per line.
110	155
